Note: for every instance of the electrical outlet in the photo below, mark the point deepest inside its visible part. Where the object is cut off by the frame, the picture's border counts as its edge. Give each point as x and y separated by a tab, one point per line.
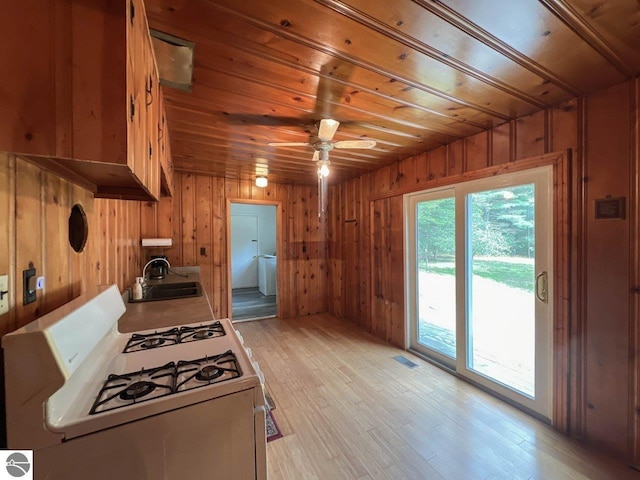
28	296
4	294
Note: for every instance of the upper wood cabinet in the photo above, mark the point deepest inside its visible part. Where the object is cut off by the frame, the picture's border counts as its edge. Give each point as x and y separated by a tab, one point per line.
84	100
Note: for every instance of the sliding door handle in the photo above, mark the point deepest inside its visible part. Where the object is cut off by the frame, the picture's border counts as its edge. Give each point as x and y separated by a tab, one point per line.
542	291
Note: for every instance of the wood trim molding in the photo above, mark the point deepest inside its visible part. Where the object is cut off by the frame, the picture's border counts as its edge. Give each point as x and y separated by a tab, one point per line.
634	308
518	165
562	249
577	379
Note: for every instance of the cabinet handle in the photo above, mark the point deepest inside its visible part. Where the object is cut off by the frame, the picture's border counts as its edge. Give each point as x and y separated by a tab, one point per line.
541	290
132	108
150	150
132	11
149	91
160	133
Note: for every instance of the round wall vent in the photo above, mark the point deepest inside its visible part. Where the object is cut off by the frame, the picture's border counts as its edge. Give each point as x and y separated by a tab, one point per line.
78	228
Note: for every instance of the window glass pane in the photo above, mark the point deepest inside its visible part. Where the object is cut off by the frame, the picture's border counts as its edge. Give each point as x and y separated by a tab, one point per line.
435	244
501	299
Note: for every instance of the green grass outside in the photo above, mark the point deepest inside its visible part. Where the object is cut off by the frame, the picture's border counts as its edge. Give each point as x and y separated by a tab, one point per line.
516	275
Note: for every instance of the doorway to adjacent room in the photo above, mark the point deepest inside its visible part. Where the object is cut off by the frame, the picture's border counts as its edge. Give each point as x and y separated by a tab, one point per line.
253	260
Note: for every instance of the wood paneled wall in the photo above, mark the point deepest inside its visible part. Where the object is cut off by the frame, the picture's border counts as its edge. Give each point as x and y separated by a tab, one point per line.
196	218
35	207
601	131
34	215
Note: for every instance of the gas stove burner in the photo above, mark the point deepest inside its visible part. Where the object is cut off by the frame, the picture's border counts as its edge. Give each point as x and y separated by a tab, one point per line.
144	341
137	390
135	387
202	334
153	342
208	373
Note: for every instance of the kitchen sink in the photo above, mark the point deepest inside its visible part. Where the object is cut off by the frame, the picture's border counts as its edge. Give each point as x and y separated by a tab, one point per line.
170	291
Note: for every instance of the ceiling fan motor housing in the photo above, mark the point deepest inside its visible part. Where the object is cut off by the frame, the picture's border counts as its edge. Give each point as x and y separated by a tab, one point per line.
322	146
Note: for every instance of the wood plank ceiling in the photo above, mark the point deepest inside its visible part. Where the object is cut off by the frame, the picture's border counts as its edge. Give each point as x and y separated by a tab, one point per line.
410	74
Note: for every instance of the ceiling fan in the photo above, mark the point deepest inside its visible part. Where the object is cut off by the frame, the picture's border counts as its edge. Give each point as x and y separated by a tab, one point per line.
326	130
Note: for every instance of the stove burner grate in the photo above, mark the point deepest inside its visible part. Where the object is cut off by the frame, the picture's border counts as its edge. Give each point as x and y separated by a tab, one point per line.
201	332
147	341
173	336
207	370
123	390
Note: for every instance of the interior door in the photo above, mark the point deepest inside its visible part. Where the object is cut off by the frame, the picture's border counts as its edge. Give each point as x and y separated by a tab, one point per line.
244	251
495	282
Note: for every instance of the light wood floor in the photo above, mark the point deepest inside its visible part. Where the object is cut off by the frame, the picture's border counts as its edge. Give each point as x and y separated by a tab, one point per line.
348	410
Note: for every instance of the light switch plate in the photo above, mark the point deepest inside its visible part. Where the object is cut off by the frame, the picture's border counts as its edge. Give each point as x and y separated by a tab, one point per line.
4	293
28	296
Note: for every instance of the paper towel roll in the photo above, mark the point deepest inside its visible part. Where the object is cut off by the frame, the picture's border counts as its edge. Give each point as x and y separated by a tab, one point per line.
157	242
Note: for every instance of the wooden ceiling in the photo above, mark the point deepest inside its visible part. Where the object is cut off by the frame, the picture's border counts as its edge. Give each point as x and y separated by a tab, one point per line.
410	74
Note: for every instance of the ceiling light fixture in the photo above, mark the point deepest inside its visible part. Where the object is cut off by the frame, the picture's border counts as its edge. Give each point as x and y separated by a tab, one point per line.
261	182
324	169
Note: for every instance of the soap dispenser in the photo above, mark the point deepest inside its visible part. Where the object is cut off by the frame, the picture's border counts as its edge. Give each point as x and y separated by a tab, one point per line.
137	289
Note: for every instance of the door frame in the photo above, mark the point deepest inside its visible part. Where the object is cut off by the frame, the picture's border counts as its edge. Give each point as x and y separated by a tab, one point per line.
568	362
279	249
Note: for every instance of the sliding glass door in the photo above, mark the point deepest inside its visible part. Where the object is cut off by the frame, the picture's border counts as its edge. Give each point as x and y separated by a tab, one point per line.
435	275
479	272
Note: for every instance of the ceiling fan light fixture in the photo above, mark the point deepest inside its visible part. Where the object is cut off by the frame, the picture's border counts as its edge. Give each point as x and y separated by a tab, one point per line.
324	169
261	182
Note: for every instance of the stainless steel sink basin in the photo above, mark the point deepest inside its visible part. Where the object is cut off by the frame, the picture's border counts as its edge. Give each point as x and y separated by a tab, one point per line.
170	291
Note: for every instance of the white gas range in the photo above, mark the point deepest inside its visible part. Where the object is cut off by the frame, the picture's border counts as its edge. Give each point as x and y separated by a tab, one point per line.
185	402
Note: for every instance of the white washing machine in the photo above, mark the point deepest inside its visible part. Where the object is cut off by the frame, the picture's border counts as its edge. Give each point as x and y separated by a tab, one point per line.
267	275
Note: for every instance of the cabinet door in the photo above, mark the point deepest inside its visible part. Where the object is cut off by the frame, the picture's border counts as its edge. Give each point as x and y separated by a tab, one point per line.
27	96
137	101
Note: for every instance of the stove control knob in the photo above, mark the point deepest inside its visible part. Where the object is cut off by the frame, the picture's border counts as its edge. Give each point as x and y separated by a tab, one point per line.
259	372
249	353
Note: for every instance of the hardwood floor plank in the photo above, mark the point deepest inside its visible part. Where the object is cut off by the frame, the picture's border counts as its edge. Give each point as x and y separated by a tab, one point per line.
348	410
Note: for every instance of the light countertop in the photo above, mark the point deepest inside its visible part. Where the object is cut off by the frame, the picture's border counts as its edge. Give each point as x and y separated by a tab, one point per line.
168	313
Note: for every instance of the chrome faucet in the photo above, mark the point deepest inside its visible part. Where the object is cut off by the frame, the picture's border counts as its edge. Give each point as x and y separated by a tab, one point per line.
155	260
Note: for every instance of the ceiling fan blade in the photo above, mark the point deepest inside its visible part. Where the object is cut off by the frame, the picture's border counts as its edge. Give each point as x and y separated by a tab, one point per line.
327	129
288	144
355	144
316	156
